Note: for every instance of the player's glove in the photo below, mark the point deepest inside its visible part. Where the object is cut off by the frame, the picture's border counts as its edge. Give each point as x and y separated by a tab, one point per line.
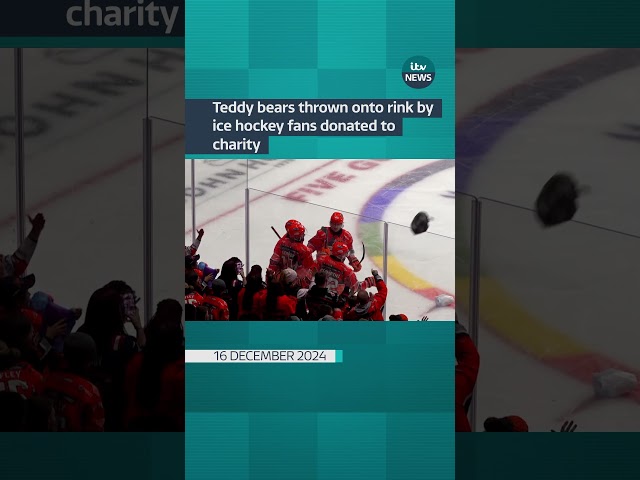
376	275
356	265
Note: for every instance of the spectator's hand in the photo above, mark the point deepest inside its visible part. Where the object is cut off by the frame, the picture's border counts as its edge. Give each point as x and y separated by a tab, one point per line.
56	330
425	318
137	323
271	276
208	278
77	313
37	225
567	427
368	283
141	338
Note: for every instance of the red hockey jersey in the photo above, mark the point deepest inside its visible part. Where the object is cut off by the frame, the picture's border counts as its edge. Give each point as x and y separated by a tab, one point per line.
325	238
217	308
23	379
293	255
76	401
339	275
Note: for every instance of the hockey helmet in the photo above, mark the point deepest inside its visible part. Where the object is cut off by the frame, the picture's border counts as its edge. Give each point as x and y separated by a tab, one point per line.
288	224
340	250
295	230
337	221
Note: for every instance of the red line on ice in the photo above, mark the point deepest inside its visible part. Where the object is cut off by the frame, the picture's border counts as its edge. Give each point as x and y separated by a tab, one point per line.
91	180
239	207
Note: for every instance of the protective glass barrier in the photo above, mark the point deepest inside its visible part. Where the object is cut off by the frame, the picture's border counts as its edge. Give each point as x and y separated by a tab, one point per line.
463	255
166	83
219	205
283	176
268	210
189	206
554	312
167	156
8	233
83	152
419	269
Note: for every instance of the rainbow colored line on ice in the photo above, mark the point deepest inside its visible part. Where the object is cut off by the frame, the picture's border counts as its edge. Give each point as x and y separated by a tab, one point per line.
371	233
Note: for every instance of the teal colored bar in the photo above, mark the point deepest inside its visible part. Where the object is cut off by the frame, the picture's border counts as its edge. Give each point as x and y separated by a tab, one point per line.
338	356
345	38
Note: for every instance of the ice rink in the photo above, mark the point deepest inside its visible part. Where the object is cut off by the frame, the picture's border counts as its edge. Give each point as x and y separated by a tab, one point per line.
555	304
369	193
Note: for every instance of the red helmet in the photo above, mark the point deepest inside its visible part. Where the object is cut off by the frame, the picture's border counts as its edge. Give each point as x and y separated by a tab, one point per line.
336	222
288	224
340	250
295	230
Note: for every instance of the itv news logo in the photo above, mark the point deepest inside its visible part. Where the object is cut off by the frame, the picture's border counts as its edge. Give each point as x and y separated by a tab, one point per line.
418	72
90	14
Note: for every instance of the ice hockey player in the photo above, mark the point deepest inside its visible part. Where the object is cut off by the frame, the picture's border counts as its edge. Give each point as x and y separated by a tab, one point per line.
368	306
326	237
193	248
339	275
290	252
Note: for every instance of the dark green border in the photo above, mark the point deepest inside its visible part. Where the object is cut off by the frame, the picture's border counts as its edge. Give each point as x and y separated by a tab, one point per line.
547	24
99	456
92	42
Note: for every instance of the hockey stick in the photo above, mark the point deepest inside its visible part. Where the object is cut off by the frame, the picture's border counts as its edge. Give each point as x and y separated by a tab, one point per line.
363	252
274	231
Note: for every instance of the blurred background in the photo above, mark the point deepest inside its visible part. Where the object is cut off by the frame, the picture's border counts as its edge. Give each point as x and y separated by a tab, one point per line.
93	139
554	306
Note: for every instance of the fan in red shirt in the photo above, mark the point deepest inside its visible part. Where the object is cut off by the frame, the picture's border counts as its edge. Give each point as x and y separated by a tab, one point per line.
326	237
247	309
206	299
278	301
155	377
17	376
213	301
290	252
369	307
467	366
77	402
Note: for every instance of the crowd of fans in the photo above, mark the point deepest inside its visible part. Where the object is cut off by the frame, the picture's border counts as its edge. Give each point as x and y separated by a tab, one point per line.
56	377
295	286
467	368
